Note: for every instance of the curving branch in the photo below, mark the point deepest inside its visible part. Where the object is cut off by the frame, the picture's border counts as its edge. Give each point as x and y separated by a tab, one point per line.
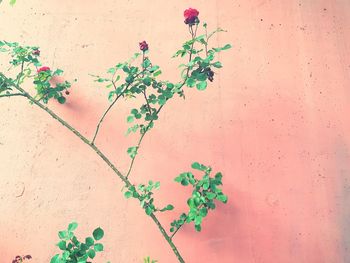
102	156
103	116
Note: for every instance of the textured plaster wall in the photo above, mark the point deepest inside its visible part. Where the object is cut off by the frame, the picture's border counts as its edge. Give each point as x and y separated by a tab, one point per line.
275	122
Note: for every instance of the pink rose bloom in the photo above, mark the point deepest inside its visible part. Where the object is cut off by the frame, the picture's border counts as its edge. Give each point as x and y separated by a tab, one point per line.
43	69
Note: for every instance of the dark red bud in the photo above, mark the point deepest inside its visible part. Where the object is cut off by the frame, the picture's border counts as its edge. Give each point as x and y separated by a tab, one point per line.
36	52
143	46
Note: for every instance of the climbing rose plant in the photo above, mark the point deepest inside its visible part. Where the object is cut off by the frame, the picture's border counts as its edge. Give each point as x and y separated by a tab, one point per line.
138	77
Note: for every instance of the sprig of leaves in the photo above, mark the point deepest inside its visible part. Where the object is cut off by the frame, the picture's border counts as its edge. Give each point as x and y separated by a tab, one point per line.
75	251
44	88
144	193
27	59
205	191
149	260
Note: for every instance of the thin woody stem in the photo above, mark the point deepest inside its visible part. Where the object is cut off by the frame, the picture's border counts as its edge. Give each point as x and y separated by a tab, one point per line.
177	229
133	159
103	116
11	95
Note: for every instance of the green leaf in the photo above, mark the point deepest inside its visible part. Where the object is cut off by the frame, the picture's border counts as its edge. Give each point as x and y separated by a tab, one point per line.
154	68
162	99
83	247
98	247
203	211
167	208
146	63
130	119
202	85
190	82
148	210
218	176
98	233
184	182
62	245
211	205
201	76
57	72
129	78
111	70
227	46
132	129
147	81
217	64
75	241
128	194
62	234
55	259
91	253
65	256
210	195
198	166
178	179
61	100
101	80
157	73
89	241
12	2
222	198
156	185
132	151
72	226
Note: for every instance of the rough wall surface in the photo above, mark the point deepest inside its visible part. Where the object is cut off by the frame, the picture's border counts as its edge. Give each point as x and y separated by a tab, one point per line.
275	122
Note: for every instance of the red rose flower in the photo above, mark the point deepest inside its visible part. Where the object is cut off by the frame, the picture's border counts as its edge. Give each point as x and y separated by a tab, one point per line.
191	16
43	69
143	46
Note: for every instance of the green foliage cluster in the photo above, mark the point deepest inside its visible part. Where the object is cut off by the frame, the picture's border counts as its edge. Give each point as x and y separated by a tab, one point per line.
75	251
142	80
27	59
205	192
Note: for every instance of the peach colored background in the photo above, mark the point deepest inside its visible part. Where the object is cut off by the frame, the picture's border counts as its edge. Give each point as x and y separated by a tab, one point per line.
275	122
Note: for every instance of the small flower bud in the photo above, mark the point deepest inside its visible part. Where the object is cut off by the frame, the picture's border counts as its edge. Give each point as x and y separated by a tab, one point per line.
210	74
143	46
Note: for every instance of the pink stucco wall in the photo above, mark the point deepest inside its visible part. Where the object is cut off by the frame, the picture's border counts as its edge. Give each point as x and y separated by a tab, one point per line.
275	122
